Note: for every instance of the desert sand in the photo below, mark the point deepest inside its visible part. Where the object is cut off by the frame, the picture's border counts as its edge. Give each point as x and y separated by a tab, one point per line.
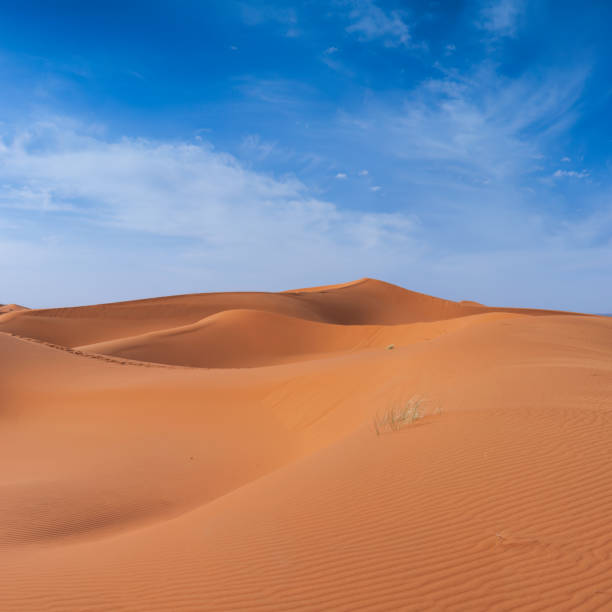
218	452
6	308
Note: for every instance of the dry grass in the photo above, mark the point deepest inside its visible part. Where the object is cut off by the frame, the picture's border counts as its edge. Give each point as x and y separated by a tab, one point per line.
397	417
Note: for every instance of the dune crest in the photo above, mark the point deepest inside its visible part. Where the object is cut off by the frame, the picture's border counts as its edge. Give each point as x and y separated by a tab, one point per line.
6	308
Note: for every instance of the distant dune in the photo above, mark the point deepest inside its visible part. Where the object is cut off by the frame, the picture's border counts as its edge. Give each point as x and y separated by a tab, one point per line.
218	452
363	302
5	308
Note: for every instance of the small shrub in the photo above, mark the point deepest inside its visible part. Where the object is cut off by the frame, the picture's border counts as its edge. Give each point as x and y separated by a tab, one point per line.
390	347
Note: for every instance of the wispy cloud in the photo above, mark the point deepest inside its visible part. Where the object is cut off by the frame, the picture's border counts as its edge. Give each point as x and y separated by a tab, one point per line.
254	147
370	22
136	75
284	93
285	17
341	175
501	17
571	173
476	129
330	58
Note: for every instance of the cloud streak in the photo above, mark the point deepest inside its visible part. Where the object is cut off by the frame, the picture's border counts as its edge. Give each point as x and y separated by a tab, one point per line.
571	173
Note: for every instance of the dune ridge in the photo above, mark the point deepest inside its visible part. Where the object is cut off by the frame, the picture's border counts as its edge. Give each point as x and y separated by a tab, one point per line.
252	478
358	303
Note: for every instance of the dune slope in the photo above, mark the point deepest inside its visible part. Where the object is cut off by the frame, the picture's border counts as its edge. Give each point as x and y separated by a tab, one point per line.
130	486
251	338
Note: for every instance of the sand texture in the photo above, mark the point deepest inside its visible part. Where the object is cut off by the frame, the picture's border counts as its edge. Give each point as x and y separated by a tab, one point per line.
219	452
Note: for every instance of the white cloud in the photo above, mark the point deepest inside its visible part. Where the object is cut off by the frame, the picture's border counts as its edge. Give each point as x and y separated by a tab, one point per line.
571	173
331	50
375	188
226	221
341	175
370	22
566	159
500	17
363	173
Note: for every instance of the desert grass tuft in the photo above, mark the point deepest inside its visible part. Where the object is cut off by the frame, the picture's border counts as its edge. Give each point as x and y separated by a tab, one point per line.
397	417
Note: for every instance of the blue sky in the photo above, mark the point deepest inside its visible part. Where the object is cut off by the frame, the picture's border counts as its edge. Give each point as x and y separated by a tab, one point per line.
458	148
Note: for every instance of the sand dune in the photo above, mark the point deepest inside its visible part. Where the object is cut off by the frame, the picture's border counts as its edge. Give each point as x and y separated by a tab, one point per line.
253	479
6	308
251	338
364	302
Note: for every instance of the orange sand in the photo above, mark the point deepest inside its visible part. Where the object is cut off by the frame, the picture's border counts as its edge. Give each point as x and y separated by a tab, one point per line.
6	308
217	452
